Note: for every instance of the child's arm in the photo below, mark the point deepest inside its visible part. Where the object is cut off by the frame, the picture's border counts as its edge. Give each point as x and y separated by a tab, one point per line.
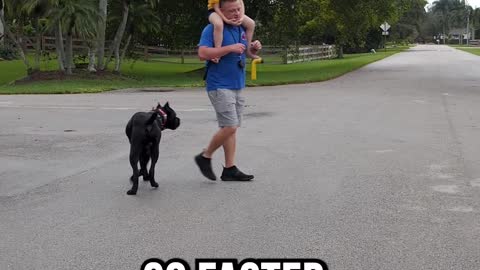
242	8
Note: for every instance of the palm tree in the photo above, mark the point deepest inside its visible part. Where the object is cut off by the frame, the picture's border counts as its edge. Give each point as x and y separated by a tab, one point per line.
142	20
79	18
101	28
12	8
37	10
115	46
2	31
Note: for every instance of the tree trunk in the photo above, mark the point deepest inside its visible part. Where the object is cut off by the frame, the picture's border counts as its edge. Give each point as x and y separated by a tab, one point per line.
91	59
38	44
117	68
115	46
102	25
340	51
2	31
69	53
182	55
20	48
59	47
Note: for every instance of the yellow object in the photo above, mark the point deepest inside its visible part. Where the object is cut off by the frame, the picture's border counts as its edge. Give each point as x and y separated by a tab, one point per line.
211	3
254	67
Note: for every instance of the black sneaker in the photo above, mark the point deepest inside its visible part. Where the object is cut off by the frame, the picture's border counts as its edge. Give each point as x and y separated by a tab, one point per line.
205	165
234	174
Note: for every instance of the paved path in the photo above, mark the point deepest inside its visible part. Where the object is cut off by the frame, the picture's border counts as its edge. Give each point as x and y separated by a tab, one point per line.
378	169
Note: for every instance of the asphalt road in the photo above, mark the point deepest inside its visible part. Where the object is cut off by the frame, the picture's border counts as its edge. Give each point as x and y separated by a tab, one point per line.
377	169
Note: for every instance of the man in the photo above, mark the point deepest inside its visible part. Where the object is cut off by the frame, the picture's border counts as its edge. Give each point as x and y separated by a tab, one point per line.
225	81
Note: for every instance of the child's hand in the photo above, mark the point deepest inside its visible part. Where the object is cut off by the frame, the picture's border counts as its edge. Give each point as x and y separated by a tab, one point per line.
256	45
239	21
231	22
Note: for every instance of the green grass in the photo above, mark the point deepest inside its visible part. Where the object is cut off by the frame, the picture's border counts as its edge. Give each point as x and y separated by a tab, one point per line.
475	50
168	72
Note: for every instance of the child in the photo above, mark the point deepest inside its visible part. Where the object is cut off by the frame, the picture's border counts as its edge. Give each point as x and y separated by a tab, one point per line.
216	18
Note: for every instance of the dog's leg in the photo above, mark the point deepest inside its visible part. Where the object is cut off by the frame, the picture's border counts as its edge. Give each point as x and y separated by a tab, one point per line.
151	175
134	157
143	166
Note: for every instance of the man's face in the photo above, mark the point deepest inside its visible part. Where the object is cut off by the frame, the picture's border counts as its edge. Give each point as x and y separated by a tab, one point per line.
231	10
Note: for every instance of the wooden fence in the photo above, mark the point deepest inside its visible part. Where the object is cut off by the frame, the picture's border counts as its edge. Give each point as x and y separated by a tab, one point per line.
310	53
293	55
474	42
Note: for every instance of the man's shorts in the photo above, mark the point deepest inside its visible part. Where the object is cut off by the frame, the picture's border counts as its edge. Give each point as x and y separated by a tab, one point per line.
228	105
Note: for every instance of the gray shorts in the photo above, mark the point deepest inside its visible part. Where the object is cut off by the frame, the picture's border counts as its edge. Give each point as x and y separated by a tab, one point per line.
229	106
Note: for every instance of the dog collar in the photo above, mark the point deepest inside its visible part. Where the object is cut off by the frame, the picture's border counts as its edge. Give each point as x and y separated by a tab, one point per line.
164	117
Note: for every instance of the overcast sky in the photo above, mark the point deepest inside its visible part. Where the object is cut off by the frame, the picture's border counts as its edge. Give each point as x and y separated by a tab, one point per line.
473	3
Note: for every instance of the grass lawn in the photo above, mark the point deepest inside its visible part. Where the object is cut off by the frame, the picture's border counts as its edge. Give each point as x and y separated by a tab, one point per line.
168	72
474	50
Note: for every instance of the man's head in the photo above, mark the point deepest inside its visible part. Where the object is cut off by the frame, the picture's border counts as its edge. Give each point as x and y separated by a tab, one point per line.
231	9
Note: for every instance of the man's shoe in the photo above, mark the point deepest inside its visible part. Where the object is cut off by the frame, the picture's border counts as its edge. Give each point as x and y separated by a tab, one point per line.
234	174
205	165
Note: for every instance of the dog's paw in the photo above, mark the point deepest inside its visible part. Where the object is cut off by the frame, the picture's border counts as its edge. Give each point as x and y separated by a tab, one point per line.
154	184
131	192
145	175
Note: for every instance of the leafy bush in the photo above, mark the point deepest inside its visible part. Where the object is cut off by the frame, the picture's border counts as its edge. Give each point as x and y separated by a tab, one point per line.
7	53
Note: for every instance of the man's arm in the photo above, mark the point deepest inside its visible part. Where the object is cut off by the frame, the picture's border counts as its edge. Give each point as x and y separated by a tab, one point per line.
207	53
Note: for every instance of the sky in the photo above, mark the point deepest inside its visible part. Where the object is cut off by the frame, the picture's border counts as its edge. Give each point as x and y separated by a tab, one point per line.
473	3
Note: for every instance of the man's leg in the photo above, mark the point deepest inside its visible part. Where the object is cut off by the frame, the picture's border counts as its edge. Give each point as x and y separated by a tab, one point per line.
204	159
229	148
219	139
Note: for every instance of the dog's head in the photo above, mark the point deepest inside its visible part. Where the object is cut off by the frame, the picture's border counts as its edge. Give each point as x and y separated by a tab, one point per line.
172	121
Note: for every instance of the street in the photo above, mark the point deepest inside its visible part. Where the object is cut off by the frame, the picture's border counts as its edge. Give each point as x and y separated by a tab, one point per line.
377	169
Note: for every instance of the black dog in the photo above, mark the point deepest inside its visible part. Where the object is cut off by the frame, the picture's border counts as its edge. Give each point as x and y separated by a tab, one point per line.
144	131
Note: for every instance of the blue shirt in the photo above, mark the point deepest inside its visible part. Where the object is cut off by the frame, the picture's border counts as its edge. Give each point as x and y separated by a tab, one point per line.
227	74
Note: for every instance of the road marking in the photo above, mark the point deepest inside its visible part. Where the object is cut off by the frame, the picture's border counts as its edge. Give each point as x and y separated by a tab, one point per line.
462	209
420	101
451	189
384	151
49	107
475	183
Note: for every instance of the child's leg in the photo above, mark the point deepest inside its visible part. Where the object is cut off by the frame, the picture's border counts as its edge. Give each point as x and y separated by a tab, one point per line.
249	25
217	22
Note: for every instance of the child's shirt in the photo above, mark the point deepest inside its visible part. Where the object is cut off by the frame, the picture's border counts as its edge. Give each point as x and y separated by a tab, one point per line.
211	3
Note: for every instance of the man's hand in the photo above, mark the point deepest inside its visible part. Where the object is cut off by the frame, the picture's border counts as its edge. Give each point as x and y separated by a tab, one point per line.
237	48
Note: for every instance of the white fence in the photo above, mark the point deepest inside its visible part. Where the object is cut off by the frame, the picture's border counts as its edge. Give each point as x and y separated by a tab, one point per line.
310	53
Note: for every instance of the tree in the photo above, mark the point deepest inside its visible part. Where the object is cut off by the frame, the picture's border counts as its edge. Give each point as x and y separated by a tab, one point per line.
2	31
79	19
117	40
101	28
10	8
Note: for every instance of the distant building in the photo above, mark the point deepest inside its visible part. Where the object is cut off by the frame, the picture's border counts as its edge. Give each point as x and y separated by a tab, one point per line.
461	34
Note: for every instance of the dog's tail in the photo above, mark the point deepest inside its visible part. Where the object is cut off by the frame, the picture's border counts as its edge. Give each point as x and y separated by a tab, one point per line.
152	119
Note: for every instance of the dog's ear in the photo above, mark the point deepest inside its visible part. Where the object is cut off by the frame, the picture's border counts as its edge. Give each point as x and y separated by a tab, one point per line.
166	105
159	106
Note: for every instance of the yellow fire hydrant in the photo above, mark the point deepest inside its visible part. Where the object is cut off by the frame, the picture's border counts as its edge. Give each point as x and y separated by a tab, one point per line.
254	67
